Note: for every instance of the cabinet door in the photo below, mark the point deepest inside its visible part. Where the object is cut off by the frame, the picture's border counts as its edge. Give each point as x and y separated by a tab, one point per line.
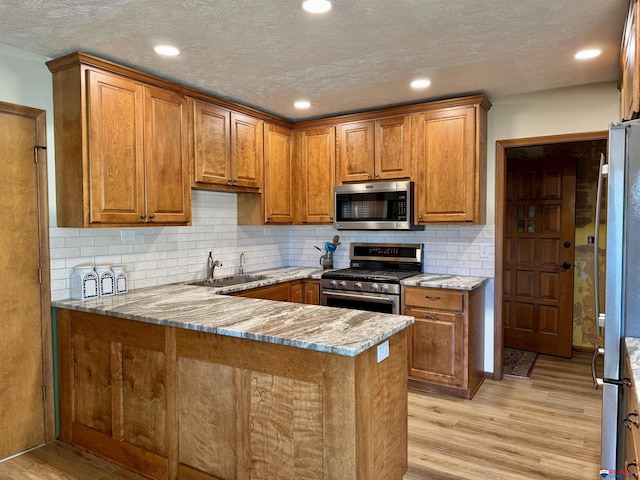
355	157
312	292
278	177
246	150
437	347
279	292
448	178
317	163
296	292
393	148
168	189
116	149
211	144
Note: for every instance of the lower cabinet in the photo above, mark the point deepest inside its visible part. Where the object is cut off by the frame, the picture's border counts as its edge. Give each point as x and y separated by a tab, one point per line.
446	340
298	291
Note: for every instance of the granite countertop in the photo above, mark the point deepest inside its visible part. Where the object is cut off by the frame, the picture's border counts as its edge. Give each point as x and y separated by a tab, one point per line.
633	350
327	329
453	282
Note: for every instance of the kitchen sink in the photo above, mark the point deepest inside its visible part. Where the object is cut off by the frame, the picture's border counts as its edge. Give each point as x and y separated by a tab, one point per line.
229	281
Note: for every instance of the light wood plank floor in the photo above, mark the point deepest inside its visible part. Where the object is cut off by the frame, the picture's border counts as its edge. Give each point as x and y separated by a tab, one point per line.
518	429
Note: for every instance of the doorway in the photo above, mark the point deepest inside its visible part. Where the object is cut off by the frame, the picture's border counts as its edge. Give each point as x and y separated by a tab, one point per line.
26	392
539	282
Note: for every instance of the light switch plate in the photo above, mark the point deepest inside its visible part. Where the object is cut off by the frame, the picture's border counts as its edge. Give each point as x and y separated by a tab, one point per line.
383	351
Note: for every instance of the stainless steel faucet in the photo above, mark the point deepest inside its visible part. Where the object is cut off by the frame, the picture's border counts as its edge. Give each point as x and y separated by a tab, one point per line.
242	260
211	266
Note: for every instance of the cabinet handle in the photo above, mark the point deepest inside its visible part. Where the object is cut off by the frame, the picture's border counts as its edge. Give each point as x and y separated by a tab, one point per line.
627	422
634	464
429	317
152	216
432	297
143	216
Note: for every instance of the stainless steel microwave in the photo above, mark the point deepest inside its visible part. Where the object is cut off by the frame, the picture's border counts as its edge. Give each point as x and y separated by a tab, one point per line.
374	206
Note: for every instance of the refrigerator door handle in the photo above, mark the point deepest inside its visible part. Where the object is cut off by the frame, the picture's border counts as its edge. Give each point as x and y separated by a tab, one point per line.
603	171
597	382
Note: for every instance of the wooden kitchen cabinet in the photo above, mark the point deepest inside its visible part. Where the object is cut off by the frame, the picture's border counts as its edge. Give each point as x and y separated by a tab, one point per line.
631	424
451	155
279	292
305	291
377	149
446	340
314	172
278	182
227	147
629	66
121	148
297	291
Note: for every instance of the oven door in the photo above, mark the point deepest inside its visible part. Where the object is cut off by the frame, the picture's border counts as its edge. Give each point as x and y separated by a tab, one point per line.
371	302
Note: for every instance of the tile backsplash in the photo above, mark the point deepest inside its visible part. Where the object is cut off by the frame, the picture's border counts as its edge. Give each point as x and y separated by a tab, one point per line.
161	255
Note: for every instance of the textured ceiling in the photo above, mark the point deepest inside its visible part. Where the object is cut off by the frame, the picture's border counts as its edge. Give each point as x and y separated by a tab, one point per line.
361	55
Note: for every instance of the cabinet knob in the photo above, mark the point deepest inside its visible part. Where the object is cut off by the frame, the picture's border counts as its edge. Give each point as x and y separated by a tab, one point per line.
143	216
229	180
419	217
368	175
376	175
268	219
152	216
235	180
331	218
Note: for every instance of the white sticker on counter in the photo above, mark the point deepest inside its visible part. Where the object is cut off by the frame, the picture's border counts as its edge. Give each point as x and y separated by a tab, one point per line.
383	351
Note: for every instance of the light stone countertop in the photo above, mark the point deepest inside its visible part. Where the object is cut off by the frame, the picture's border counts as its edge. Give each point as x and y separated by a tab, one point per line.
633	350
326	329
453	282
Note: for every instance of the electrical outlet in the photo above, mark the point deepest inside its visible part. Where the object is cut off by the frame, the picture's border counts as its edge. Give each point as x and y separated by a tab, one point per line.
591	240
486	251
127	235
383	351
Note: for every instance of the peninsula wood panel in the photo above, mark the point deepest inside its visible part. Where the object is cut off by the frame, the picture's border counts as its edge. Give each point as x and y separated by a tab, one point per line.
232	408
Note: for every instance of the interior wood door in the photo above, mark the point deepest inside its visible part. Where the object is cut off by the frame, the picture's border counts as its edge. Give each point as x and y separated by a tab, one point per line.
538	255
24	301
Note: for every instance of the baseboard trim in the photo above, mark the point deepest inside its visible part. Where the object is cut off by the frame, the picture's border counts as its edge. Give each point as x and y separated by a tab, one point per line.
579	350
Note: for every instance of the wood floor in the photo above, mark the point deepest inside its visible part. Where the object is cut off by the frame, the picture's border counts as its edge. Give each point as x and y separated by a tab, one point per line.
547	426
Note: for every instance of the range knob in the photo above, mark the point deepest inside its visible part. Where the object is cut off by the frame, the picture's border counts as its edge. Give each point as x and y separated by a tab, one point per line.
334	284
374	287
384	288
343	284
358	286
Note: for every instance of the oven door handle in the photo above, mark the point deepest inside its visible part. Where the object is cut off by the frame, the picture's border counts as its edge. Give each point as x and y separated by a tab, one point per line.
357	297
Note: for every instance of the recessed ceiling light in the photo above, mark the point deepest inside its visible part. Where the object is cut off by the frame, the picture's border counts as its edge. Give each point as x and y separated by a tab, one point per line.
316	6
302	104
421	83
586	54
166	50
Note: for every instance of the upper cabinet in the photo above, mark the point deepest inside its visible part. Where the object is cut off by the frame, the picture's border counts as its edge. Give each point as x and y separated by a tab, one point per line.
121	148
451	162
278	182
630	67
378	149
227	147
316	153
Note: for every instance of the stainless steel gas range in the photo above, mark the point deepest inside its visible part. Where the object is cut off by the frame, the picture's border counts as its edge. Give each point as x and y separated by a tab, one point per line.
372	282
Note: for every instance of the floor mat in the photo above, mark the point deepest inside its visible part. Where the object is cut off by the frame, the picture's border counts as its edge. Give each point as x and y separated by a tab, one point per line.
518	363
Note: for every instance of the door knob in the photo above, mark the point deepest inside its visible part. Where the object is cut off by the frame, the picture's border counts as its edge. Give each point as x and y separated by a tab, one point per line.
566	266
566	244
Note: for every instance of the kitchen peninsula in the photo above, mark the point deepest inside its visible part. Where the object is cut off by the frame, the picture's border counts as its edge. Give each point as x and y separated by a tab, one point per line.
182	382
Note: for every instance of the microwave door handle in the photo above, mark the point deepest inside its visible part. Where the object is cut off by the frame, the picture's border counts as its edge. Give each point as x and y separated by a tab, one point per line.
371	298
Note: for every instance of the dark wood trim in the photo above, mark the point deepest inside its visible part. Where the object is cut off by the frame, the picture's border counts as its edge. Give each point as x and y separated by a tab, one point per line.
500	212
580	350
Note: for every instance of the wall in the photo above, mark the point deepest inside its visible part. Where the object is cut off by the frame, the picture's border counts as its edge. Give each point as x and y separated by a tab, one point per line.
176	253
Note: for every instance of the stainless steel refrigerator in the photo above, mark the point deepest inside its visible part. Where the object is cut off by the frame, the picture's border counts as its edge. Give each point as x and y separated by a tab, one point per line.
621	316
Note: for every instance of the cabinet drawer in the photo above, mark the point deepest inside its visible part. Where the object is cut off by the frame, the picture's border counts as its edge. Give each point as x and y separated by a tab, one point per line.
430	298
